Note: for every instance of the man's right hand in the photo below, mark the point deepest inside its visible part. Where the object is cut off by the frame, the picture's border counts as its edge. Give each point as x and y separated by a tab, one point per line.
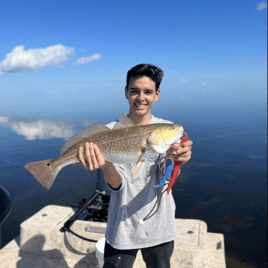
90	156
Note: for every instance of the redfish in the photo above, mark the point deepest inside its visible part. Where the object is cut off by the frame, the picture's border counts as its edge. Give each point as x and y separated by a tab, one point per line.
126	143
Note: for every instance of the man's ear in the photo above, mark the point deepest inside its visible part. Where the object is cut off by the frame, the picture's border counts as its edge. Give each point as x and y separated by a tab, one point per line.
157	94
126	93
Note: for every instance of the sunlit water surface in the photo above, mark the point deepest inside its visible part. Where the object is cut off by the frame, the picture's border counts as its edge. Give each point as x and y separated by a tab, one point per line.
224	184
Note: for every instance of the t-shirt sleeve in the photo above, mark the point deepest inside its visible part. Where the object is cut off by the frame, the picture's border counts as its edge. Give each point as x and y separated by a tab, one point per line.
122	172
121	169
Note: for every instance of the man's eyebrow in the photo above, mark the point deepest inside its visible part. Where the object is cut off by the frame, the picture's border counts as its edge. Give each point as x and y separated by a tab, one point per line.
134	88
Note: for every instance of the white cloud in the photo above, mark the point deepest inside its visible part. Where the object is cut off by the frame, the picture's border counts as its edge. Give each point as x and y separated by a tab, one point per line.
33	129
183	80
4	120
20	59
84	60
261	6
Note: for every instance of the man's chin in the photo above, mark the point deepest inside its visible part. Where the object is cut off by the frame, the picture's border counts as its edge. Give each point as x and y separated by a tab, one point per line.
139	110
140	113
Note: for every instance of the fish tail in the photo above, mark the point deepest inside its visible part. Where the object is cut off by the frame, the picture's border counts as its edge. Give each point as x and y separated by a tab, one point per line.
45	172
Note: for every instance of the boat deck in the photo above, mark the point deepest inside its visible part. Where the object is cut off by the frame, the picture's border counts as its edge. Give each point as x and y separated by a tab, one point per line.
42	243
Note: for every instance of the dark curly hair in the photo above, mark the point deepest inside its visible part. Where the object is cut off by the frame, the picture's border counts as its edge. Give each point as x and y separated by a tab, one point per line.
153	72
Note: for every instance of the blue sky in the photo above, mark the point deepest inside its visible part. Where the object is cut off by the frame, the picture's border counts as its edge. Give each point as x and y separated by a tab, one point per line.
60	58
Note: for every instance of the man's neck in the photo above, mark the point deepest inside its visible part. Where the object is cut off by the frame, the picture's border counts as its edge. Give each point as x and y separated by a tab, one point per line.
141	120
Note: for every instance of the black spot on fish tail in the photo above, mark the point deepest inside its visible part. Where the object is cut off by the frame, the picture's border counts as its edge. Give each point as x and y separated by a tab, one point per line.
44	172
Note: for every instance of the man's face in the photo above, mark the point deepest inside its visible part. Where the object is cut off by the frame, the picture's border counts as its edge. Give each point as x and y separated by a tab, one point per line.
141	95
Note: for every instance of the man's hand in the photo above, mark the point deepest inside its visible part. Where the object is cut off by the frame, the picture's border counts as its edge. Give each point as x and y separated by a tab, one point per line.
90	156
180	152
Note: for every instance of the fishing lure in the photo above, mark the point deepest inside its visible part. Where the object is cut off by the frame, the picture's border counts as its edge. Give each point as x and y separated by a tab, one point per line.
177	166
169	169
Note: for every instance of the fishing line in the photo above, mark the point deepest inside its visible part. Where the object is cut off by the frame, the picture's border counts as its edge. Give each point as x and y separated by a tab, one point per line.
15	164
141	221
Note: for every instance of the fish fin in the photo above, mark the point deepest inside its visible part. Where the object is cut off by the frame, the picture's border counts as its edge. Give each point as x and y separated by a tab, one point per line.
44	172
137	168
95	128
124	121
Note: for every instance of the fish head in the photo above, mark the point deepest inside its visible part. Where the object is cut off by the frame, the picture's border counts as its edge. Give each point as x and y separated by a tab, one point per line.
162	137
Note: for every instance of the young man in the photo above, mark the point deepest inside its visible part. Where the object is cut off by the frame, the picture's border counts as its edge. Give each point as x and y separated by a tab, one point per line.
132	199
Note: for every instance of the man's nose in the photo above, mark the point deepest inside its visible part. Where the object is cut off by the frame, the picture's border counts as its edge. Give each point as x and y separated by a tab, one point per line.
141	96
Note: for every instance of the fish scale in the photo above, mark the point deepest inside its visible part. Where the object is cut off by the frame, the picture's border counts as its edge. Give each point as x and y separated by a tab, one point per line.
121	145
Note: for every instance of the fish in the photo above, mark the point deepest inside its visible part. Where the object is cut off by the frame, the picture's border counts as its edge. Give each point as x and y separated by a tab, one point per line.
126	143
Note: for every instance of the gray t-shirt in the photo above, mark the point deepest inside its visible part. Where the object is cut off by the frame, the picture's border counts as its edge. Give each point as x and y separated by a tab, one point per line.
134	200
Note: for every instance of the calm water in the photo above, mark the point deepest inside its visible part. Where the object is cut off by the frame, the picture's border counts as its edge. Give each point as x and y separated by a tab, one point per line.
224	184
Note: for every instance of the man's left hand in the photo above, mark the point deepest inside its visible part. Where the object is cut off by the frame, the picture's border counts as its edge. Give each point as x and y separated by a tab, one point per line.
180	152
